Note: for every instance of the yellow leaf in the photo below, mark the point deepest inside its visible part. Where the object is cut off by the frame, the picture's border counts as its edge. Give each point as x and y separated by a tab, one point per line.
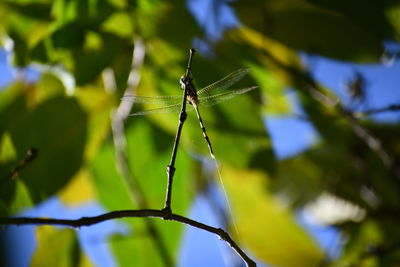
7	150
78	190
265	226
274	55
58	248
119	23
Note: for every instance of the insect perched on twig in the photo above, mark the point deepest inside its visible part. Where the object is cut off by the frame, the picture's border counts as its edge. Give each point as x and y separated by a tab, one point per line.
202	97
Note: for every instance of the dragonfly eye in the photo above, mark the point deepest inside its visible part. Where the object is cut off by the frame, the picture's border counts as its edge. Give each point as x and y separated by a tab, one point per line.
182	82
185	80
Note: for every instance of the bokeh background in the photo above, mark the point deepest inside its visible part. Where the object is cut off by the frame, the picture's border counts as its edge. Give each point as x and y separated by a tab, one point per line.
309	160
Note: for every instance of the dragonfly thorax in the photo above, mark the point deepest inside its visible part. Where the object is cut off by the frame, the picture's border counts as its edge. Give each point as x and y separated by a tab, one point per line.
187	84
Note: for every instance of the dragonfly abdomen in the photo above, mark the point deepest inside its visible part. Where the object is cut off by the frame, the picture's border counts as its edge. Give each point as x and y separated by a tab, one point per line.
203	129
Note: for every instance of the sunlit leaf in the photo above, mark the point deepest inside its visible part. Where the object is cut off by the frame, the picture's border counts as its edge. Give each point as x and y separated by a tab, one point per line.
58	248
276	102
79	189
120	24
7	150
98	104
265	227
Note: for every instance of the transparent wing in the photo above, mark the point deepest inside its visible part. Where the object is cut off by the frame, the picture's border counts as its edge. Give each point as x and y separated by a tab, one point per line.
176	108
216	99
166	100
225	82
166	109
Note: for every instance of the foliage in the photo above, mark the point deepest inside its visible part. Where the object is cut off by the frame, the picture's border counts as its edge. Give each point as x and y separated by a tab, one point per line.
69	123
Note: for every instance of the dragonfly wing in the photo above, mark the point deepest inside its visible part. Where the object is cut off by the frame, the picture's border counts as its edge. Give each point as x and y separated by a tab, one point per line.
166	109
171	109
166	100
216	99
225	82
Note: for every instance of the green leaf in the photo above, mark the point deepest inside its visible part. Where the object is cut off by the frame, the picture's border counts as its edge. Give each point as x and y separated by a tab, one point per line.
264	226
105	176
120	24
58	248
170	27
91	61
57	128
277	102
34	10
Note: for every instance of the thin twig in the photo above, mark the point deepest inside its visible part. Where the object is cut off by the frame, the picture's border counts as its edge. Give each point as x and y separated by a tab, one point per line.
144	213
30	155
118	129
182	118
360	114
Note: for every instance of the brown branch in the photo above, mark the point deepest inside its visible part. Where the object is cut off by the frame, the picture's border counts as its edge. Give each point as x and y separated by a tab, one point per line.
144	213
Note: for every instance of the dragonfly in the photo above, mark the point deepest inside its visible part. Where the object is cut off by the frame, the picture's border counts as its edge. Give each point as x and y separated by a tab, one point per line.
208	96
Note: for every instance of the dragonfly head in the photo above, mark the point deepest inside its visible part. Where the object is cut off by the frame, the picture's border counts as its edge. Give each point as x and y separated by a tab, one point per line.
185	81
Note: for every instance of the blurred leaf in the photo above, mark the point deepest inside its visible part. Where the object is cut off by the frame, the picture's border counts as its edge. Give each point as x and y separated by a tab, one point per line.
277	102
89	63
7	150
35	9
298	180
69	36
106	176
264	225
119	24
365	237
159	19
98	104
360	167
78	190
91	13
393	14
58	248
14	197
48	86
320	28
57	129
280	61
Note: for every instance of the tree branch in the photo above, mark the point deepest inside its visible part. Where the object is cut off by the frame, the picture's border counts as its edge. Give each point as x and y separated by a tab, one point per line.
144	213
